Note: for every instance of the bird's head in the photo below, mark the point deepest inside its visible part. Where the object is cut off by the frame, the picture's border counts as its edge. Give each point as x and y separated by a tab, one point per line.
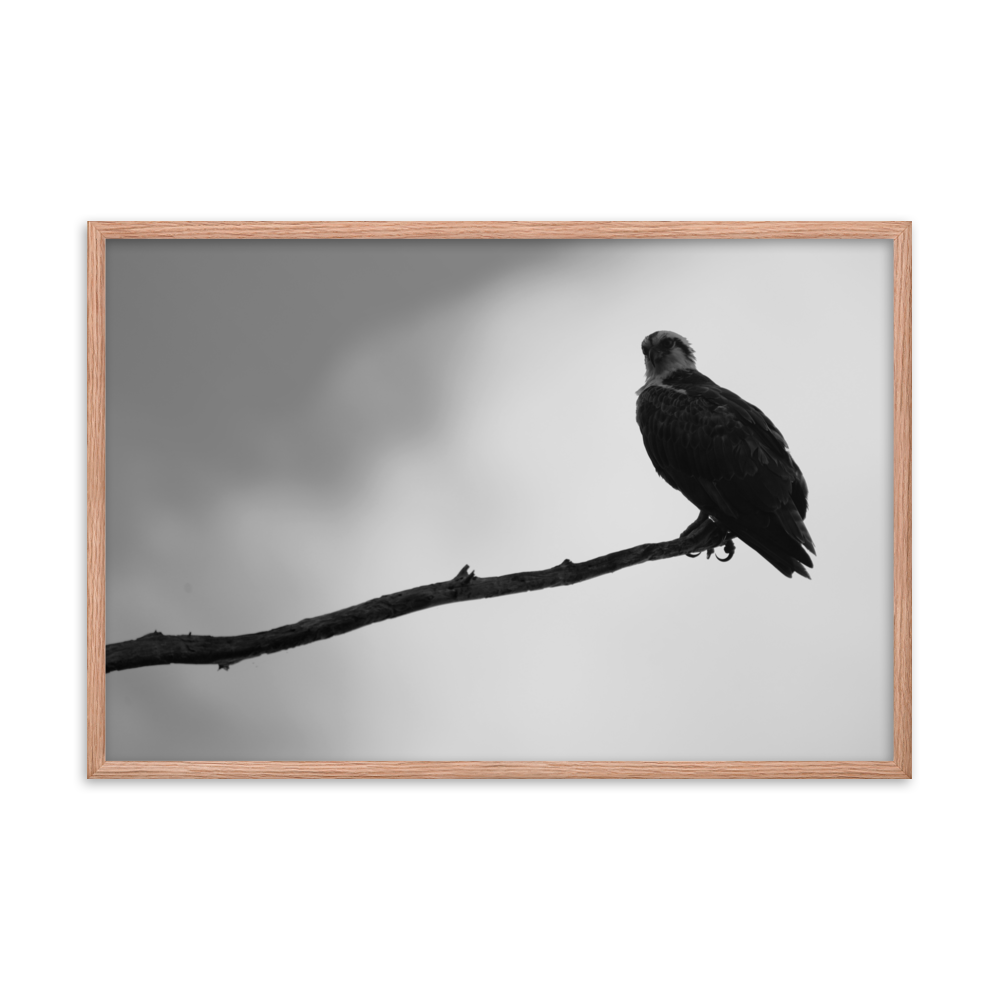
666	352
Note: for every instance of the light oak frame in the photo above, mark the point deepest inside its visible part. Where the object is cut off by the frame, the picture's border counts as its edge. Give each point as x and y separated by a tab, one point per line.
899	232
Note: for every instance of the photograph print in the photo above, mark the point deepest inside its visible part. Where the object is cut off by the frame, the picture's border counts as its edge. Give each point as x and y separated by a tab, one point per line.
567	500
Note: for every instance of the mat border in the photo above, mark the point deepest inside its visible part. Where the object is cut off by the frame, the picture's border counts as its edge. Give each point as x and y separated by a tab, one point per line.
901	766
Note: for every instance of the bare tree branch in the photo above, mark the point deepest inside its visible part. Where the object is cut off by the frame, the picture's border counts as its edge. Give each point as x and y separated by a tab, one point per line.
701	536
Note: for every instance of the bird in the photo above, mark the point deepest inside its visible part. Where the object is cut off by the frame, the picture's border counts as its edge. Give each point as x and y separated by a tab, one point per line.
724	455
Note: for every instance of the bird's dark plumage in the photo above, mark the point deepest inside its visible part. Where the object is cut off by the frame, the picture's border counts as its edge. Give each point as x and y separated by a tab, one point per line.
723	454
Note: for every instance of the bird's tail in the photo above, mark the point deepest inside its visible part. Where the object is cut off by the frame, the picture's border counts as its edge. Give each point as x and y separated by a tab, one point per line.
782	539
795	527
781	561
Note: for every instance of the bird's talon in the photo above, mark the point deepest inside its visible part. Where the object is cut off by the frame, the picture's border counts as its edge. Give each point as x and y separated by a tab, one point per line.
730	550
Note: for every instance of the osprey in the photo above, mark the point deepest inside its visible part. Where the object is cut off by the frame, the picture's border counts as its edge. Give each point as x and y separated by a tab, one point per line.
723	454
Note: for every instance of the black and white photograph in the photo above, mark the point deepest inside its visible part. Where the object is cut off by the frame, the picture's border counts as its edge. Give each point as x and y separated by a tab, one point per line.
297	427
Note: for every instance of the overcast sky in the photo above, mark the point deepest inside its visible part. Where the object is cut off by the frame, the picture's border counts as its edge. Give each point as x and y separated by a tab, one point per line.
298	426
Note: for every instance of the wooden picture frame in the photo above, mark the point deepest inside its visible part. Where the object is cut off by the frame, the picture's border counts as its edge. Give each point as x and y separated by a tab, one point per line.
99	232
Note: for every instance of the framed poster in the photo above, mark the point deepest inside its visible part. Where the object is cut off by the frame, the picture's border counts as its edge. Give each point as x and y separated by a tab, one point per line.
301	436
